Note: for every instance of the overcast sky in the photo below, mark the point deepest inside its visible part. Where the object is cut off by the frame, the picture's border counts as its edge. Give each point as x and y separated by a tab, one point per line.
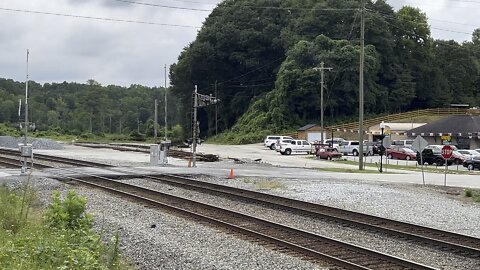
75	49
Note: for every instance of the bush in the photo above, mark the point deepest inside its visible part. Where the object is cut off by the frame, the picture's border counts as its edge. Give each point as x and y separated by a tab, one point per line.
469	193
64	239
137	136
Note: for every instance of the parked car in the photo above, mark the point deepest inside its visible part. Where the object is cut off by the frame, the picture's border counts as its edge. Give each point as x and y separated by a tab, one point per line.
375	148
271	140
468	154
352	147
473	163
279	142
432	156
295	146
457	157
335	142
401	153
402	143
327	153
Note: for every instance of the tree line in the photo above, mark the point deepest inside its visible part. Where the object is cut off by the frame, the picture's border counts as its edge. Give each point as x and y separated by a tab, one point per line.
258	58
88	108
262	56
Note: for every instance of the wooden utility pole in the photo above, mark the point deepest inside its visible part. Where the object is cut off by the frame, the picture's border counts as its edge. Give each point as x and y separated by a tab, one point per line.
360	91
322	68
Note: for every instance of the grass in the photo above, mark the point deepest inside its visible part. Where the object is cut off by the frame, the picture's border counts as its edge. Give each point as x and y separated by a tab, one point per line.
440	169
60	237
260	184
474	194
345	170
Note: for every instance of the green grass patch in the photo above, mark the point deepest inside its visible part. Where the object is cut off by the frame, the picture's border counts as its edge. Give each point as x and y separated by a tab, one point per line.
60	237
432	169
261	184
474	194
346	170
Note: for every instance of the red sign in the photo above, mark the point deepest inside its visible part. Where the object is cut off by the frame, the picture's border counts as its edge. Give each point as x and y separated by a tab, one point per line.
447	151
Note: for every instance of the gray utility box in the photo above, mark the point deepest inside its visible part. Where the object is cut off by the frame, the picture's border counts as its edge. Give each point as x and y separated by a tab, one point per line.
154	150
164	148
26	150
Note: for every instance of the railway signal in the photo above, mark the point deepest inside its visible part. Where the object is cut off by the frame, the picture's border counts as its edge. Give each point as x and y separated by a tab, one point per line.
199	101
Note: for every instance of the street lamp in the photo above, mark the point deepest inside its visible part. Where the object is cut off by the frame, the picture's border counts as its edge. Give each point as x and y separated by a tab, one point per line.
382	127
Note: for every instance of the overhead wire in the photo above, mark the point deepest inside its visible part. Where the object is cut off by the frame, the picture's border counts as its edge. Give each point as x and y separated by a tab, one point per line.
97	18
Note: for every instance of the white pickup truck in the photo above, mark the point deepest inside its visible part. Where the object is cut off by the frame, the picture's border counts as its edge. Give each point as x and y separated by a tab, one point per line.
352	147
295	146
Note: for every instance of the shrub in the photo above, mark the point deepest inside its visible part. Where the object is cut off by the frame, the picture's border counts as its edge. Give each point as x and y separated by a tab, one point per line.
468	193
69	213
137	136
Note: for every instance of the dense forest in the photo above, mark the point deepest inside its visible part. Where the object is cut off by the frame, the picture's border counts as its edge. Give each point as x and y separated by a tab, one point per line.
258	57
89	108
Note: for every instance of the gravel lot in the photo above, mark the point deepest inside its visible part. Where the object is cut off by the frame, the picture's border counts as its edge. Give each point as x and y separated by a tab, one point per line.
177	243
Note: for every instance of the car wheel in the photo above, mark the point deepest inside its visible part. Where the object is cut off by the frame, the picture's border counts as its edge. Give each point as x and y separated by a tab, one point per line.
355	152
272	146
329	158
470	167
288	152
439	162
407	158
390	156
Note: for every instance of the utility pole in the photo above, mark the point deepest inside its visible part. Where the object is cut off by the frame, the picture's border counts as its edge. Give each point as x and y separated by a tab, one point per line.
322	68
194	128
216	110
155	121
360	92
166	124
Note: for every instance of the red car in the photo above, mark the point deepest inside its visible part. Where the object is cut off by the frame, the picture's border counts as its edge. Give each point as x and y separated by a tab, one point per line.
327	153
401	153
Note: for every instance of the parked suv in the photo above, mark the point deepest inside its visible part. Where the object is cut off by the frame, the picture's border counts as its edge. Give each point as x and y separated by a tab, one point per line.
271	140
432	156
295	146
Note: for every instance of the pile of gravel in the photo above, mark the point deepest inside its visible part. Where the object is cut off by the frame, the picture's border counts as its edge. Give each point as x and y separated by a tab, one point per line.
37	143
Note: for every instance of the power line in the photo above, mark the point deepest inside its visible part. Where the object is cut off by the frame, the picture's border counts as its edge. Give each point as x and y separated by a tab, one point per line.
162	6
240	6
97	18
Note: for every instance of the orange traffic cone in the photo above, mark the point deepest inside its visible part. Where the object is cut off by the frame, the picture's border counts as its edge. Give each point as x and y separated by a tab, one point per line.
231	175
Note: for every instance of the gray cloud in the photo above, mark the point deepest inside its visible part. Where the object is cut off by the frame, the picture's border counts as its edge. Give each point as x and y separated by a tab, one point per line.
76	49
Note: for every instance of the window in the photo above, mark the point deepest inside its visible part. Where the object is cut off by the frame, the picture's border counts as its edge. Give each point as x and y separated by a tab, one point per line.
355	143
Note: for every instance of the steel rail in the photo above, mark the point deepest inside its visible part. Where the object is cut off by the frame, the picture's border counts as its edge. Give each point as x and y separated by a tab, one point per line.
438	238
337	252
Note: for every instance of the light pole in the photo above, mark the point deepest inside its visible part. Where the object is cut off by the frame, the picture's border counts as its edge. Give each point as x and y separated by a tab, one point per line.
382	127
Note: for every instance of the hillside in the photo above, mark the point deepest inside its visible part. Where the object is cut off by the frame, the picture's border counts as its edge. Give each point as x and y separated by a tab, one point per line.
258	58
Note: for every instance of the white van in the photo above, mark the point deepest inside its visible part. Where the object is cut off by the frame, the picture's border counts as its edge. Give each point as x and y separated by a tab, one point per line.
271	140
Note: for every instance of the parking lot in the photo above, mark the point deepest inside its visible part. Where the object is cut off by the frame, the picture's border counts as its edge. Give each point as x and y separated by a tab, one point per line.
252	152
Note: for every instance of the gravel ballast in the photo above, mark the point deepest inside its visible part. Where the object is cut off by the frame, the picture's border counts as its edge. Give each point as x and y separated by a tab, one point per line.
178	243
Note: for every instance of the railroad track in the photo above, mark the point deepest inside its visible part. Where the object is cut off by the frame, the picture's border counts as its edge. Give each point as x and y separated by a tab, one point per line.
306	244
146	149
439	239
443	240
15	163
49	158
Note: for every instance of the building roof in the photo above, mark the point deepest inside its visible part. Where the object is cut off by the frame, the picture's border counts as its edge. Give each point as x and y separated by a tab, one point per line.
306	127
397	126
455	124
